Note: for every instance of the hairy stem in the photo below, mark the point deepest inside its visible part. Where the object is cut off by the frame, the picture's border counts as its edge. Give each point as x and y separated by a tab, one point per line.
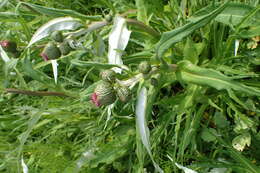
36	93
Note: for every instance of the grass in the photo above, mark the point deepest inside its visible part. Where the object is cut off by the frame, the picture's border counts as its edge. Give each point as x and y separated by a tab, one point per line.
199	107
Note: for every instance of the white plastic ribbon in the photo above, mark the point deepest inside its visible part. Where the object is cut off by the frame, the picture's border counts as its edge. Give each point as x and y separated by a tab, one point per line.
3	55
142	125
55	69
186	170
24	166
236	47
118	40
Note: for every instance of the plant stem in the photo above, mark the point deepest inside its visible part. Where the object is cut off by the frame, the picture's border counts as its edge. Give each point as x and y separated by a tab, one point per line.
143	27
93	26
36	93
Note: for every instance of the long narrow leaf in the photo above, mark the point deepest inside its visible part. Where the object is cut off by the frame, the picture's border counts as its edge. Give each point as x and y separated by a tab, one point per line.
54	12
170	38
233	14
202	76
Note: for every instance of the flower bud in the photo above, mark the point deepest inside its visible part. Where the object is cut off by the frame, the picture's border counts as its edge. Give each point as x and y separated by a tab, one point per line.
9	46
109	18
144	67
154	82
103	94
57	36
65	48
123	93
50	51
108	76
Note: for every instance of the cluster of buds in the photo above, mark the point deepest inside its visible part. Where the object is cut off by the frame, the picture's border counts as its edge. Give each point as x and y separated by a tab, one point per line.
108	90
54	49
144	67
9	46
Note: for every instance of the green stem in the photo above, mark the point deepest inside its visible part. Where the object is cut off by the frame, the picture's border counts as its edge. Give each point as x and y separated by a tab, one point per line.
37	93
93	26
143	27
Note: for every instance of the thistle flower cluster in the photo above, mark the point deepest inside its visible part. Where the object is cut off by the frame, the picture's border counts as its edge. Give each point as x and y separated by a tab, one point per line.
108	90
59	46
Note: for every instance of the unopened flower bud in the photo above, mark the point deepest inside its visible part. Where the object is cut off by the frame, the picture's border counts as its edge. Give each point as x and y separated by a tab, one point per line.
50	51
9	46
103	94
154	81
123	93
108	76
57	36
109	18
65	48
144	67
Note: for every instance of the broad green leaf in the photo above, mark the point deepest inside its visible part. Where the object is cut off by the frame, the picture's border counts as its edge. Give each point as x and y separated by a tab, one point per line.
202	76
118	40
207	134
58	24
169	38
141	124
54	12
233	14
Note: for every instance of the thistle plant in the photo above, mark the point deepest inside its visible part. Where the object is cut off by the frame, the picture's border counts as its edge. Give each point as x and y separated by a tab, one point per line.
143	86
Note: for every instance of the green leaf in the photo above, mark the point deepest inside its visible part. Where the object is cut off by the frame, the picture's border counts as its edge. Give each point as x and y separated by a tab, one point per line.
92	64
250	32
202	76
220	120
233	14
35	74
141	11
207	134
8	16
190	52
169	38
106	153
54	12
58	24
